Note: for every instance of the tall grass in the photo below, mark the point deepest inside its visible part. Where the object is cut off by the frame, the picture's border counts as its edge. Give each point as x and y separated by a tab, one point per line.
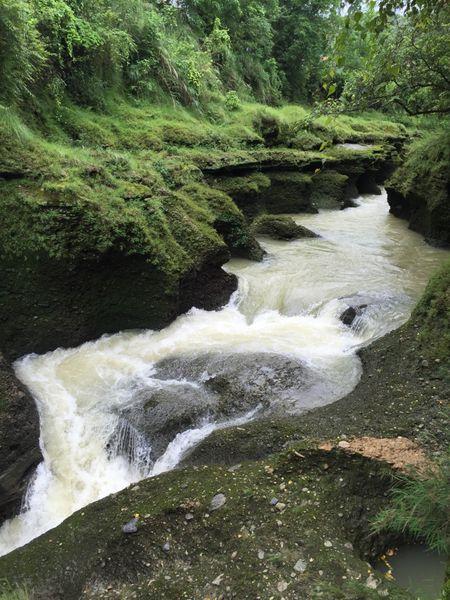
419	507
9	592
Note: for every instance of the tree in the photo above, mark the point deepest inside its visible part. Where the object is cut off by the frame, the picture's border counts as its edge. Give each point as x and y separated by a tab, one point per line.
301	39
406	66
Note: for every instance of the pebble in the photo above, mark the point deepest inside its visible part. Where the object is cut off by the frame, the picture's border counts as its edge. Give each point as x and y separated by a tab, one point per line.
218	580
348	545
131	526
217	502
260	554
274	501
282	586
166	547
189	516
328	544
344	444
371	582
281	506
300	566
234	468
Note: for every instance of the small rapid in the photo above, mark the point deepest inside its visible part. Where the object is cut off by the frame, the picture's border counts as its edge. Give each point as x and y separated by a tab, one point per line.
289	306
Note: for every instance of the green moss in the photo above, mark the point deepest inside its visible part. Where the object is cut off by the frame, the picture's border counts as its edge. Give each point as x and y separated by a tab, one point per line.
245	186
306	140
432	317
227	220
83	189
280	228
418	189
328	188
9	592
313	485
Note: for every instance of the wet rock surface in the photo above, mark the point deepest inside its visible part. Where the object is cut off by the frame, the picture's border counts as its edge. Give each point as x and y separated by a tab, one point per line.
247	548
49	303
19	441
350	314
186	391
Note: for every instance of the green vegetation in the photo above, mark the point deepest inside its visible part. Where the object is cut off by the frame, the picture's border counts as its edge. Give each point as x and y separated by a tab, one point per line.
419	507
8	592
419	187
433	314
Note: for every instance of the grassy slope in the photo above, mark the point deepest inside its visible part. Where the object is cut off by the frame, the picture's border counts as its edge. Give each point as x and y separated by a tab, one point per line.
117	201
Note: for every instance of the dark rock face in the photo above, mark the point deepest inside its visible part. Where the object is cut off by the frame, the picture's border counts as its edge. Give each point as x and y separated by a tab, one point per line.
367	184
349	315
47	303
19	441
431	220
281	228
189	390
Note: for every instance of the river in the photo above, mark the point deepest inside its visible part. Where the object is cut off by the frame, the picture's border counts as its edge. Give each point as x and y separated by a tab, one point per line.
287	305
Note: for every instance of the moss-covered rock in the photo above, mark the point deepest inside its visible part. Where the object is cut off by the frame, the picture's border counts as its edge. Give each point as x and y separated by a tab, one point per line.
313	538
329	188
19	441
419	189
280	228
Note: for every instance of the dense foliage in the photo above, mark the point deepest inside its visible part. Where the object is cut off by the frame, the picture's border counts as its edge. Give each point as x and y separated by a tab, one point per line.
198	52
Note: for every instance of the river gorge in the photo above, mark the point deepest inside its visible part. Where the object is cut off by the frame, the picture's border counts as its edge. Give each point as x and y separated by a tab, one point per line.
132	405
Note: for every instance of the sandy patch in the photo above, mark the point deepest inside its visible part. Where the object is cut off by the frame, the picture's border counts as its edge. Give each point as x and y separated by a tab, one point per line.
400	452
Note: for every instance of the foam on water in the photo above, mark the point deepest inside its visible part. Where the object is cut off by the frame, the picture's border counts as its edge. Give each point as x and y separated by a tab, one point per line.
289	304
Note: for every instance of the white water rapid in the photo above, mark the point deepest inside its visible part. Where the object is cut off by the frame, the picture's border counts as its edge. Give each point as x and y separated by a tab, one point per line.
287	305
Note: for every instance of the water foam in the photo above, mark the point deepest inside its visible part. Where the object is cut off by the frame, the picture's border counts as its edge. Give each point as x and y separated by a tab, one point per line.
286	305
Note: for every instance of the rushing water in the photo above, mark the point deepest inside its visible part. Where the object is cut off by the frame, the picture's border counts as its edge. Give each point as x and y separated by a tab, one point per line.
288	305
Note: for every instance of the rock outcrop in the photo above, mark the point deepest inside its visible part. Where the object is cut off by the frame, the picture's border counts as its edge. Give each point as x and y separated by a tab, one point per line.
280	228
19	441
188	390
47	303
419	189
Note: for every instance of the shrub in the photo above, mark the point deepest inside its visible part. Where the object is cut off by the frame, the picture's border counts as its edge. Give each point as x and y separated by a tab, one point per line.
232	101
419	507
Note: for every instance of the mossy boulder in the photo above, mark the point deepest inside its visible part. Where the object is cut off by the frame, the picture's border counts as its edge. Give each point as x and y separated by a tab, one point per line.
19	441
307	140
289	192
280	228
418	191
